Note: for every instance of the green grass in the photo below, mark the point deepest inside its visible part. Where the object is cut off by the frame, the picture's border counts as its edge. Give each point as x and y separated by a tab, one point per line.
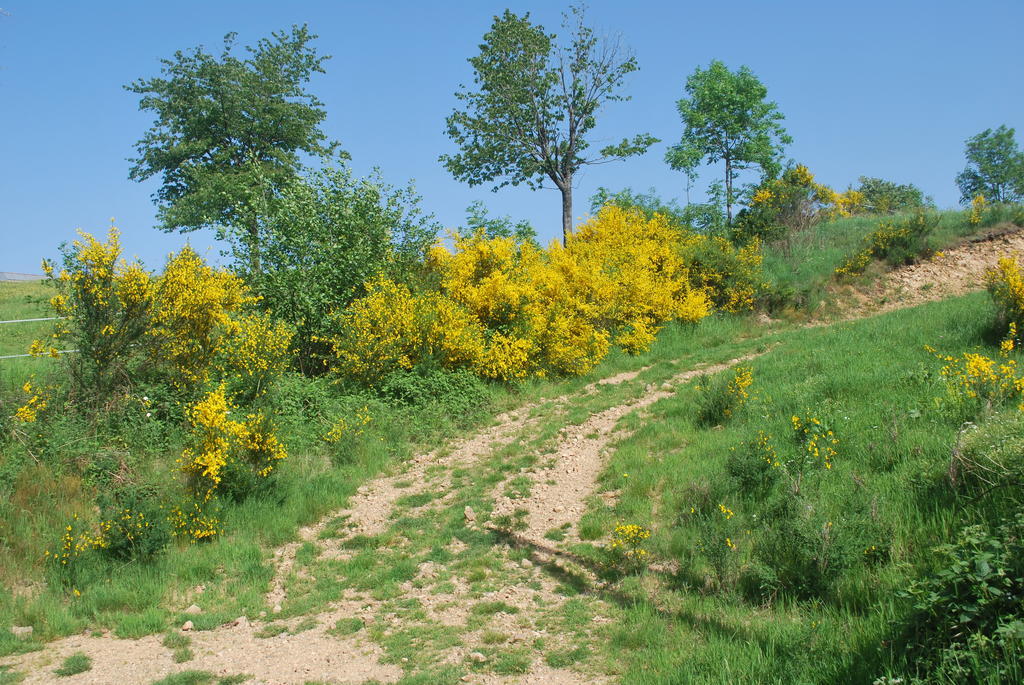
801	268
888	487
79	662
870	380
201	678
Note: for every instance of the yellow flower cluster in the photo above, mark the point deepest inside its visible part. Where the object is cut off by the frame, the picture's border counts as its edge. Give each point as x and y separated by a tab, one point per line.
878	243
132	525
764	448
74	541
978	206
343	427
818	440
104	303
36	403
977	377
726	511
631	268
739	388
254	350
730	275
628	540
217	440
193	309
797	185
1006	285
40	349
193	523
506	309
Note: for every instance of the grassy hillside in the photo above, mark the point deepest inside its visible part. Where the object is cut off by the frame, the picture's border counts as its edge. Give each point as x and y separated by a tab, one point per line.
790	502
876	514
800	268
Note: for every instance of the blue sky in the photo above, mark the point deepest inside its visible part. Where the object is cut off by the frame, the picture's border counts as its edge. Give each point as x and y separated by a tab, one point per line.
888	89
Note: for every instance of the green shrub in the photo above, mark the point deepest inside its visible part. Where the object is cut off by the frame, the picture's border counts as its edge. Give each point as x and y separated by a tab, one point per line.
456	392
967	618
77	663
804	552
754	467
721	395
134	524
896	242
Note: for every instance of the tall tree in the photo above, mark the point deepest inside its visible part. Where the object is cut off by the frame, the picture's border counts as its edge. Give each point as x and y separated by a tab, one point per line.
995	167
727	118
229	132
535	103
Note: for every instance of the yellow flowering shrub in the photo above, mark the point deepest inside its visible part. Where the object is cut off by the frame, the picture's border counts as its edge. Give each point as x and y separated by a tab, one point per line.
506	309
976	379
378	332
105	303
731	276
193	310
1006	286
739	388
35	404
638	276
720	396
254	350
452	335
818	441
895	241
978	206
627	545
794	202
225	455
195	522
348	426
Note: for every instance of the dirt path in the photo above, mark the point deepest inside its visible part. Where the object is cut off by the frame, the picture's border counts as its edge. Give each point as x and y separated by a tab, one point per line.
309	647
568	474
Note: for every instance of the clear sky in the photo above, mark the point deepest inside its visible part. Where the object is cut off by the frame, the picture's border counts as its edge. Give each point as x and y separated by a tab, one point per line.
889	89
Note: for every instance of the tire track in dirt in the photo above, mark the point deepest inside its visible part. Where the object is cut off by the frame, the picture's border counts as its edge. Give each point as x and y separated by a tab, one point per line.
315	653
370	509
559	489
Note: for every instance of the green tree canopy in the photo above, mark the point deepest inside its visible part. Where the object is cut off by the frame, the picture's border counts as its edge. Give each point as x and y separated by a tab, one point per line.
479	219
330	232
535	103
995	167
887	197
726	118
229	132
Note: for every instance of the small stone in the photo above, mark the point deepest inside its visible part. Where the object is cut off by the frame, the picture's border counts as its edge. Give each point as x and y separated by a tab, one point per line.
241	621
466	678
193	609
477	657
405	659
666	386
22	631
187	626
469	514
263	614
526	563
276	609
558	510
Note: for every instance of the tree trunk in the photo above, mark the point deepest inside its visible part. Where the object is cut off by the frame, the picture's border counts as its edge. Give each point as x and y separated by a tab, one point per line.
728	191
566	211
